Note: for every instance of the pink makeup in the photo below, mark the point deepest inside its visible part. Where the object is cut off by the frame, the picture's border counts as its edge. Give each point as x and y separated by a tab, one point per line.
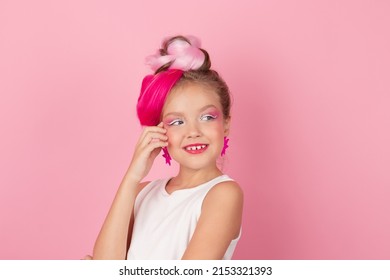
214	113
196	148
169	121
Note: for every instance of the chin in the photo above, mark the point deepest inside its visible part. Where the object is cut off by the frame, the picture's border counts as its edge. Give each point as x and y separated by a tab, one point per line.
196	164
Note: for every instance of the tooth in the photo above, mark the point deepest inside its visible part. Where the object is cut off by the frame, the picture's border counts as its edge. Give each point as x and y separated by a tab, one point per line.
194	148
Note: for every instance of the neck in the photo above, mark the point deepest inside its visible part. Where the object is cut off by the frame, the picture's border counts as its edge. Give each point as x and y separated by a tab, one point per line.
187	178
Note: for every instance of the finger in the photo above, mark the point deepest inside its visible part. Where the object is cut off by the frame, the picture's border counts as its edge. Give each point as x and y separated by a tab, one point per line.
157	128
153	137
150	129
155	145
161	124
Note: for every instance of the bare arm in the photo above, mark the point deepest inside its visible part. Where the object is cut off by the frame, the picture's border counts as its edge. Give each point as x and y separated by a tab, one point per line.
112	240
219	222
114	237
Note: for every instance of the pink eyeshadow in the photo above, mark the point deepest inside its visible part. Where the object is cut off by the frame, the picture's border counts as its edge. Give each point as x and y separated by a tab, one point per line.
214	113
169	120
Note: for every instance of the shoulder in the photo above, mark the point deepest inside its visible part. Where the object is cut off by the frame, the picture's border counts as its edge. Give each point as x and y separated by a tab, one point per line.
141	186
227	191
224	199
219	222
147	186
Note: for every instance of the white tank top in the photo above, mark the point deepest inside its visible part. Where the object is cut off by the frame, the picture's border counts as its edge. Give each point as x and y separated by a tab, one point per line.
164	223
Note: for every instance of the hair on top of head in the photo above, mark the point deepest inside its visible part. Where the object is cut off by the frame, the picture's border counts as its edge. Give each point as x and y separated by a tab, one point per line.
179	52
180	59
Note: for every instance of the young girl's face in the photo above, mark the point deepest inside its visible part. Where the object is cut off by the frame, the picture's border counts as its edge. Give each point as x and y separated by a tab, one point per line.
193	117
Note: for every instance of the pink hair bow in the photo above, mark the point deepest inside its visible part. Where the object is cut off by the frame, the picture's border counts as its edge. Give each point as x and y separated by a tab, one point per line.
184	56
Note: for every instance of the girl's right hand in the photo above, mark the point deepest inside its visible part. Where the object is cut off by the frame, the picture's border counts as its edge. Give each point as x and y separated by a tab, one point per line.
149	145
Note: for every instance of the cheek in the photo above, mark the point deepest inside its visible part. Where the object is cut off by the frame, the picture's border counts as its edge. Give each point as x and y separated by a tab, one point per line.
216	133
217	127
172	136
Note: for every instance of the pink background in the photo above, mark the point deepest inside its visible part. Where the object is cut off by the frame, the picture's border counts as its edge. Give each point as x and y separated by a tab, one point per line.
310	134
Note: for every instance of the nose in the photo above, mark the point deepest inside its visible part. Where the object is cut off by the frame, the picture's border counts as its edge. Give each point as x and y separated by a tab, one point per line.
193	130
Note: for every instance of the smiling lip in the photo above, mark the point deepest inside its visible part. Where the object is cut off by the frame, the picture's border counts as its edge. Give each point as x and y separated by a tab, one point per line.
195	148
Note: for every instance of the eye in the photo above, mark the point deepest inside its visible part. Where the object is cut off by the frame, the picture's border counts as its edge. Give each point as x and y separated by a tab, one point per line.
208	117
175	122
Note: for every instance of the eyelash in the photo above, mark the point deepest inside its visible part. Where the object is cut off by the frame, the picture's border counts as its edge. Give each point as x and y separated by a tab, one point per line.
173	122
210	117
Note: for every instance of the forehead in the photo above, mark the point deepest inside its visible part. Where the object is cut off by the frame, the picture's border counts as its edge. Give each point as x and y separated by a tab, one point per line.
190	97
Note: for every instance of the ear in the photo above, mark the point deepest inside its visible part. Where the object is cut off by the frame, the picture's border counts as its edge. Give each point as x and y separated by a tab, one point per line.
226	126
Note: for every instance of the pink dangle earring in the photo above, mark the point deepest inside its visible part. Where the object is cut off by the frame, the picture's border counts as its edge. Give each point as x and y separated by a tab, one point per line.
166	155
225	145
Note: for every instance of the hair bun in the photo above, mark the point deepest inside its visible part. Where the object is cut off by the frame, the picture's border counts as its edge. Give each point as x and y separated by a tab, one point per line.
179	52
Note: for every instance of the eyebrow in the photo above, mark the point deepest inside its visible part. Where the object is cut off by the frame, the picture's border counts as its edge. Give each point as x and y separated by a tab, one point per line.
180	113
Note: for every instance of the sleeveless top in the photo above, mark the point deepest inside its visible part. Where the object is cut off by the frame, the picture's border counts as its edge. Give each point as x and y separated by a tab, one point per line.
164	223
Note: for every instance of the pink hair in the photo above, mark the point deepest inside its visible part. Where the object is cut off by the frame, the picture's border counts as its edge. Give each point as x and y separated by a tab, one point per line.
178	54
182	54
154	91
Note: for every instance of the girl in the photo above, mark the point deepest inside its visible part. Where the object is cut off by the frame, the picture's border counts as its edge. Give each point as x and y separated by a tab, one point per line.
185	108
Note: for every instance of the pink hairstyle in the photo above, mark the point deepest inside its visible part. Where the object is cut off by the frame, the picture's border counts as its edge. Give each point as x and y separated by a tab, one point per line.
154	91
178	54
